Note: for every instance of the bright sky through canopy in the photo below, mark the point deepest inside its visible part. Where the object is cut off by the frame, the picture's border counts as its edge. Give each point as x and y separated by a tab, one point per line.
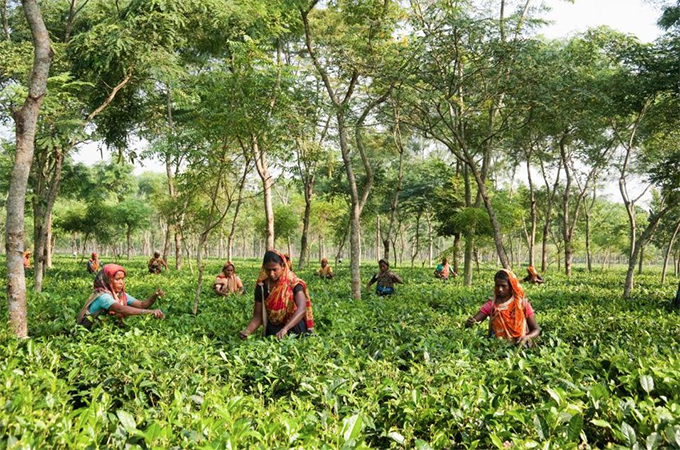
630	16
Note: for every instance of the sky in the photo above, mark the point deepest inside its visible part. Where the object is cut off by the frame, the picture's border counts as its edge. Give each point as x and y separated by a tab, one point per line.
637	17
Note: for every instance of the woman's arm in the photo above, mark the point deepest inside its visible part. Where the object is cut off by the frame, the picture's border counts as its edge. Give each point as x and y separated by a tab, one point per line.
126	311
397	278
477	318
534	331
148	303
255	322
301	303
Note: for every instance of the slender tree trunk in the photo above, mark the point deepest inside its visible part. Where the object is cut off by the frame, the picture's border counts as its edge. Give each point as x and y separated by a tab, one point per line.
640	243
267	182
129	243
338	255
166	241
456	252
25	119
641	259
178	250
5	20
309	191
199	264
430	241
668	252
531	242
416	243
378	238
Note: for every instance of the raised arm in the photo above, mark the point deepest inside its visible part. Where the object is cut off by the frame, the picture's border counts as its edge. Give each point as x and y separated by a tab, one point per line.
148	303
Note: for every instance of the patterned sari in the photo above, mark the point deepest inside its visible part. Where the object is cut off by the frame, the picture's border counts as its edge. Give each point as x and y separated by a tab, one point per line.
508	320
280	303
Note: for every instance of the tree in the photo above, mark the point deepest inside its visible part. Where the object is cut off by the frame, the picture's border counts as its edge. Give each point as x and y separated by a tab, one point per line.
25	120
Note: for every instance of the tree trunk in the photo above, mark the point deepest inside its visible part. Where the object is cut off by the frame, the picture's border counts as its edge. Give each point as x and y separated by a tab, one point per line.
166	242
639	245
199	265
641	260
531	242
304	250
128	235
25	119
5	20
51	239
267	182
456	252
178	250
378	238
430	242
668	252
416	243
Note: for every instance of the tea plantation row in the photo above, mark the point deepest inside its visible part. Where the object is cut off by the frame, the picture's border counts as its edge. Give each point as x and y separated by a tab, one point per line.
380	373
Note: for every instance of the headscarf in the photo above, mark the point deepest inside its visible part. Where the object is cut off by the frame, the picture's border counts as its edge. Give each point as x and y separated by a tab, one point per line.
532	271
326	270
222	278
103	283
280	303
507	319
288	260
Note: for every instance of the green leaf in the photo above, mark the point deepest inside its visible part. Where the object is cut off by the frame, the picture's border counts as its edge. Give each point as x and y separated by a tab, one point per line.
127	420
351	427
574	428
397	437
497	441
653	441
647	383
601	423
629	434
541	427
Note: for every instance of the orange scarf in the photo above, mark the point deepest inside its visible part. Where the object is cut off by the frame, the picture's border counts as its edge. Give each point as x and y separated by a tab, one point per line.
507	319
280	302
445	270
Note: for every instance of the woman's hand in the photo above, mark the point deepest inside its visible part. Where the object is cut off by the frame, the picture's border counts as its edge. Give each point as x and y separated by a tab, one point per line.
524	341
159	293
470	322
281	333
243	335
158	314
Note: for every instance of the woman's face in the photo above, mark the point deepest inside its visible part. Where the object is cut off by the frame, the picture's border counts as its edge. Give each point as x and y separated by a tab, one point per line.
502	289
324	263
229	271
273	270
383	267
118	282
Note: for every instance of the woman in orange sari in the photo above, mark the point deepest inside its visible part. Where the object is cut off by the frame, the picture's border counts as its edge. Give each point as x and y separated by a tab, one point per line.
511	314
443	270
282	303
227	282
532	276
325	271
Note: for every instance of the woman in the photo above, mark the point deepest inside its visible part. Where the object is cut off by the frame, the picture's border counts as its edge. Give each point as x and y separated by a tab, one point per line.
93	264
532	276
227	282
282	304
511	314
109	296
325	271
156	264
443	270
27	259
386	279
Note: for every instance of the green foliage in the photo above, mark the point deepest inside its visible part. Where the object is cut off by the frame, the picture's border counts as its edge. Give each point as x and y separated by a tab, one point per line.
381	373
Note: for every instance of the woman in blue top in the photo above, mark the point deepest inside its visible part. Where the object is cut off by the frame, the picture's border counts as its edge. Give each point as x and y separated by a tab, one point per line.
109	296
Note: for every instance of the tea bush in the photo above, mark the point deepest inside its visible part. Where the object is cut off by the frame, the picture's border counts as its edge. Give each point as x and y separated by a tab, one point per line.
380	373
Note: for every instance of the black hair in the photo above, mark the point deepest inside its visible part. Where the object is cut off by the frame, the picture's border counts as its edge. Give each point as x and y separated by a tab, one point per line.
156	254
271	256
382	261
502	275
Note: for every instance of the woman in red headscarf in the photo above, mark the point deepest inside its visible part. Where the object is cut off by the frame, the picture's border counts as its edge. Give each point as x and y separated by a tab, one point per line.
109	296
282	303
93	264
227	282
511	314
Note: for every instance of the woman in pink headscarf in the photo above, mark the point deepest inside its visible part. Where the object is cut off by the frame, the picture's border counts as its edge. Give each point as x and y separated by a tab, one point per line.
109	296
